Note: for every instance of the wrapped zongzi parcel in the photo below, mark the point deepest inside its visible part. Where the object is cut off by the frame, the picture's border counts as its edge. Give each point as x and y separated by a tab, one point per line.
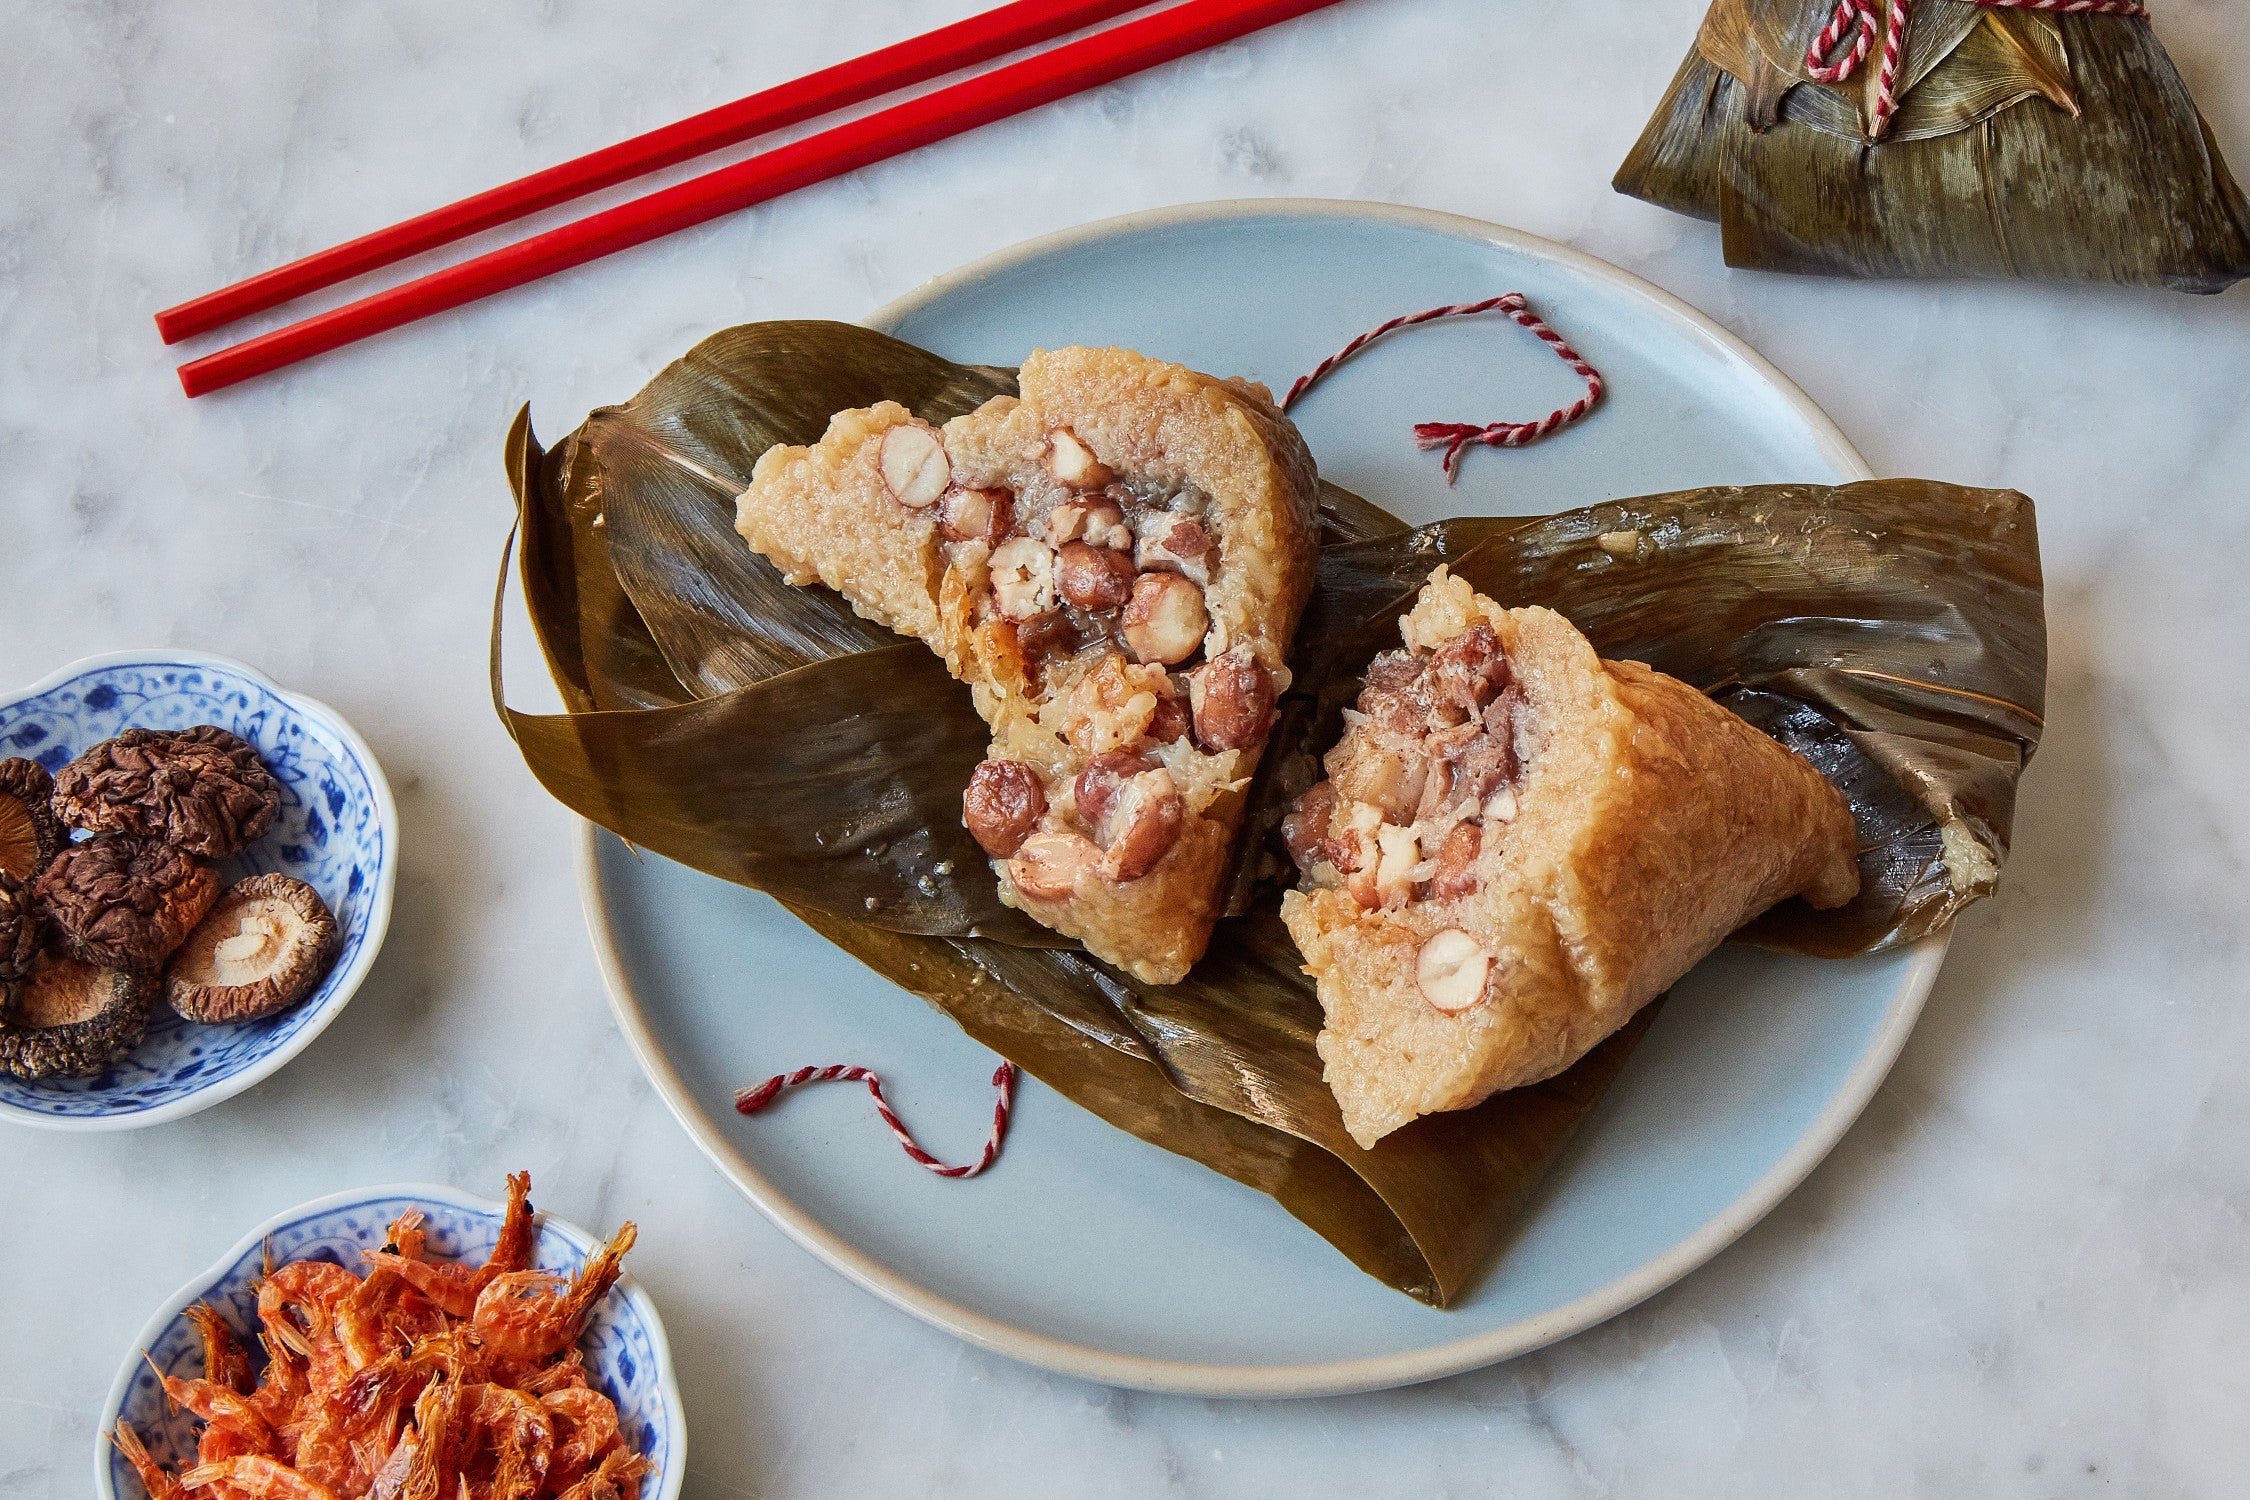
2005	141
1518	845
1114	562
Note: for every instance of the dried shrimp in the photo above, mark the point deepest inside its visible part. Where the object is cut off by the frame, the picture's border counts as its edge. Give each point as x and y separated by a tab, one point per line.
422	1380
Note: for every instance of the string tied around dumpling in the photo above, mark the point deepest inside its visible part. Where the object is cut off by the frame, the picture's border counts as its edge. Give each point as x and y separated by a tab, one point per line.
1457	438
1855	22
750	1100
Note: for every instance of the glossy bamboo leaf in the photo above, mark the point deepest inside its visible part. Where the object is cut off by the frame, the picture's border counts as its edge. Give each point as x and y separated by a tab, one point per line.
664	470
598	648
1222	1070
2007	59
1752	37
1728	40
1940	27
836	782
2030	53
1782	33
2056	147
1893	632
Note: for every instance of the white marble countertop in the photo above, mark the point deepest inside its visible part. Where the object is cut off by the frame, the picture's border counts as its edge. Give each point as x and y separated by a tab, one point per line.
2022	1274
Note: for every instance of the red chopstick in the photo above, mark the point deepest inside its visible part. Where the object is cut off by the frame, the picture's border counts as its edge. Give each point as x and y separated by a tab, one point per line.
1070	69
979	39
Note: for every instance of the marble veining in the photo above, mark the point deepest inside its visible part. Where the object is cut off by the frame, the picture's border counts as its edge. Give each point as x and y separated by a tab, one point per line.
2020	1277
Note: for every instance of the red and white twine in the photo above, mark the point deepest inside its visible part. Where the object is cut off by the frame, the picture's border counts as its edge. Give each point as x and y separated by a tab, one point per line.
1856	19
1457	437
749	1101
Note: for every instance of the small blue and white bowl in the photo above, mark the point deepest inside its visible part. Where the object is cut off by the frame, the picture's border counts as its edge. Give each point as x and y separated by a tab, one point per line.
627	1358
337	832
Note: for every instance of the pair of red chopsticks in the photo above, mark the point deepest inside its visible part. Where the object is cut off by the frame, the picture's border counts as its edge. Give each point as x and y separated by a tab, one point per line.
1089	62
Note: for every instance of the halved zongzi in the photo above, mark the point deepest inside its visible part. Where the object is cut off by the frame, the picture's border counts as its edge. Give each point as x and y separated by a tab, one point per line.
1114	561
1518	845
1890	632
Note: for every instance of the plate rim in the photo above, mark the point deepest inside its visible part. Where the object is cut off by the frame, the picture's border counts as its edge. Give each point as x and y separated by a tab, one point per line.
379	915
169	1311
1714	335
1335	1377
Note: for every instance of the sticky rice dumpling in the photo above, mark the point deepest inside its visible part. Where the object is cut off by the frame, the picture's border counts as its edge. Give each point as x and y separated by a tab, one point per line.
2006	142
1114	561
1519	844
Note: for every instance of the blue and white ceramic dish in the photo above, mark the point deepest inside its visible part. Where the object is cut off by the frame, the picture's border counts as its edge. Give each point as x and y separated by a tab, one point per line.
627	1358
337	832
1092	1252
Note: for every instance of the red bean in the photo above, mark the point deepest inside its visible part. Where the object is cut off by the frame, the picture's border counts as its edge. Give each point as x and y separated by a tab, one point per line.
1094	578
1233	702
1003	804
1456	873
1099	783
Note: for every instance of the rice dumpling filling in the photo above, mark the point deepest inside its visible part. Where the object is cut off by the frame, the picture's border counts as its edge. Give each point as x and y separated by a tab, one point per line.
1088	586
1073	569
1423	781
1114	562
1519	844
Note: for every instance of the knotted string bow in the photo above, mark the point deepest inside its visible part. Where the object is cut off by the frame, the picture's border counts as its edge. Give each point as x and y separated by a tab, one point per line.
1856	21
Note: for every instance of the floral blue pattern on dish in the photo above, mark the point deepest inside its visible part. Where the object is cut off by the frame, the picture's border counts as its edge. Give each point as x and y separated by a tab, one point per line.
626	1356
329	834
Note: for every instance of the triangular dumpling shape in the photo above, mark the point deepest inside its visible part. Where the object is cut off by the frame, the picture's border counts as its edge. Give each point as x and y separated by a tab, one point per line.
1519	844
1114	562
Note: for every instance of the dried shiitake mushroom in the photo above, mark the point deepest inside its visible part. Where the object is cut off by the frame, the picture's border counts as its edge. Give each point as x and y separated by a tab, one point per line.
264	947
69	1020
19	929
123	903
202	789
29	834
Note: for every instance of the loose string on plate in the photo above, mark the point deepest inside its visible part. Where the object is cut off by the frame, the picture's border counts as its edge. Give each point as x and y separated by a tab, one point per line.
1457	437
1856	19
749	1101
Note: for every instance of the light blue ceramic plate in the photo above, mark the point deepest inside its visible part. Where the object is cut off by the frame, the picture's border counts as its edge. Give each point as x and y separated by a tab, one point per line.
337	832
627	1358
1086	1250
